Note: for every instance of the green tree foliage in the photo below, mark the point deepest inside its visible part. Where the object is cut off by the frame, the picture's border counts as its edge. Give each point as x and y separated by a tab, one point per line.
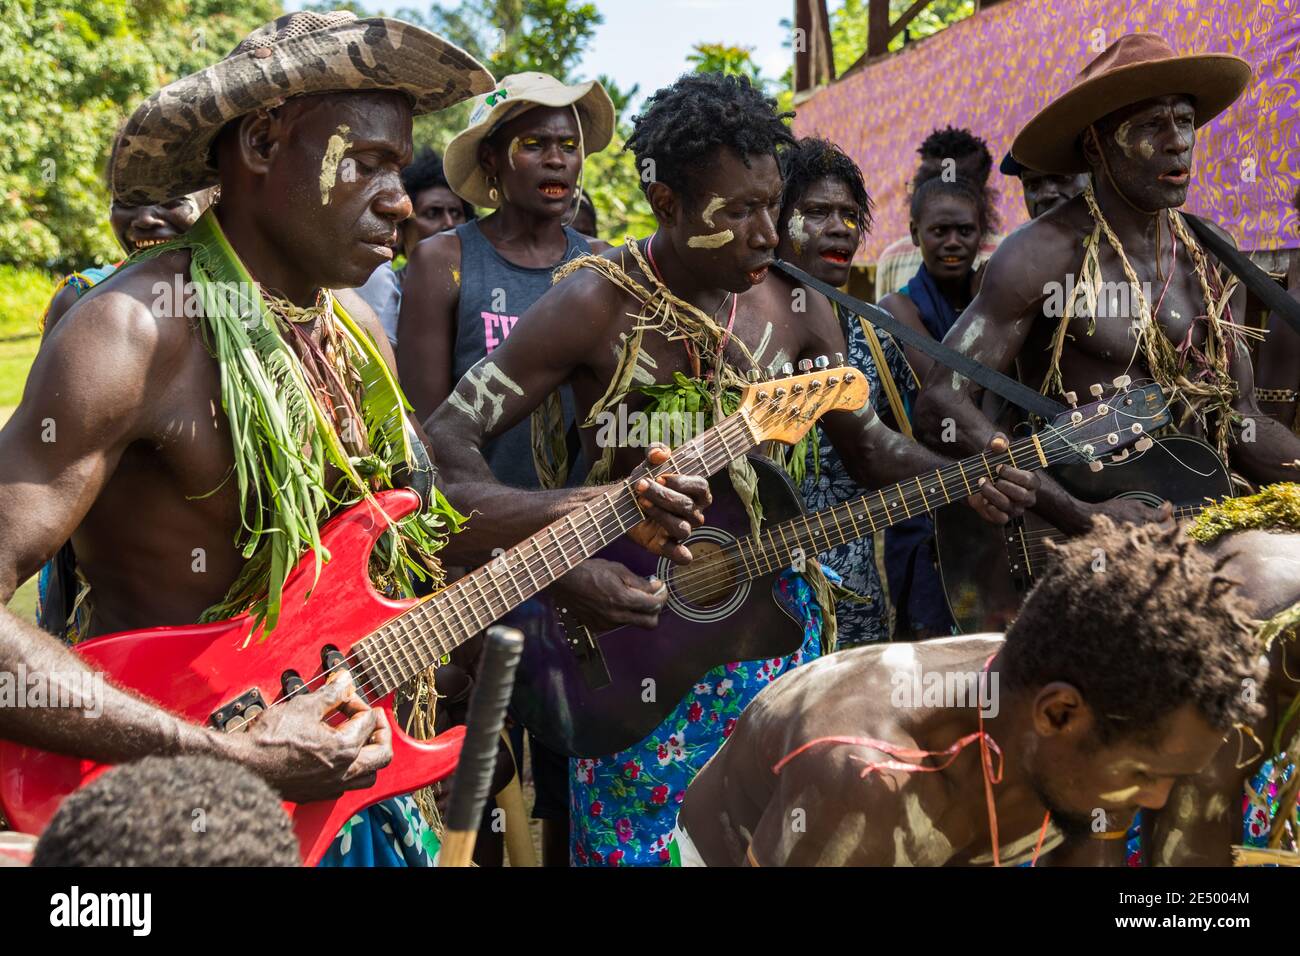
70	73
721	58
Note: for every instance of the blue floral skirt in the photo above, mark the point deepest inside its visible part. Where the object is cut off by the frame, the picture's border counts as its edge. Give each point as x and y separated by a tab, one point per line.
622	808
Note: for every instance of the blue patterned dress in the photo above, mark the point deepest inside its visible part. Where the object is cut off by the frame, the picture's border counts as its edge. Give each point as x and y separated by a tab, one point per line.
622	808
867	621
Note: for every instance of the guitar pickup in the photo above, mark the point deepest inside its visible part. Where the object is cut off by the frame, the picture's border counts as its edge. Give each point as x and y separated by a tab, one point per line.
586	651
237	714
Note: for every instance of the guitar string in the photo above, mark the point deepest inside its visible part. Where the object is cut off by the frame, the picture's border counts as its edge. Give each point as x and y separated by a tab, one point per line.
763	544
1038	549
710	578
384	645
760	416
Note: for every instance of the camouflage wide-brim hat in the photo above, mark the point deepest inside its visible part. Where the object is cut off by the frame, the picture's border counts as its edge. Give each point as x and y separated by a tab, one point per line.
163	150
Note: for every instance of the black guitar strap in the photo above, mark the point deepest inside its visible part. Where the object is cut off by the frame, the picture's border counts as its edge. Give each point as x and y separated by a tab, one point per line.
1008	388
1252	276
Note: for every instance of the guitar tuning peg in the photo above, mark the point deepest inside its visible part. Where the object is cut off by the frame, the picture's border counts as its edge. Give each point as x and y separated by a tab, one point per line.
1123	381
754	375
821	362
1094	466
1121	456
1143	443
1096	389
1071	399
787	369
805	365
839	359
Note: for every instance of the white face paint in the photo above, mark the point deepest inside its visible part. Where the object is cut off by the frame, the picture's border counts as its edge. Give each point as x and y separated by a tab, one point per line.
956	382
715	241
1169	851
715	203
510	153
798	234
480	379
329	164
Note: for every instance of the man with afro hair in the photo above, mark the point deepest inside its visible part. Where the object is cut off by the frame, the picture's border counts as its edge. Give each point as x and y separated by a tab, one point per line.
171	811
686	309
1131	661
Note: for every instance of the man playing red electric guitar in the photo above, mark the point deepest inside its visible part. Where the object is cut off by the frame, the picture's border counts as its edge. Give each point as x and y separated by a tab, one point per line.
192	421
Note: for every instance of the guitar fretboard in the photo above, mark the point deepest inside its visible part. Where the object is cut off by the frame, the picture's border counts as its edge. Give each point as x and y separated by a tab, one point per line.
409	644
814	534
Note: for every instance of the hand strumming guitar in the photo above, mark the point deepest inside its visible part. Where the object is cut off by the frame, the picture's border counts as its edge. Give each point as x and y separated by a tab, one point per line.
293	748
673	506
1132	511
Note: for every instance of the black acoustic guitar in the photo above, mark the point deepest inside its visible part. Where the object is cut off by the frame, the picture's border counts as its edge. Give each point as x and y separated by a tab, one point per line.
987	571
588	695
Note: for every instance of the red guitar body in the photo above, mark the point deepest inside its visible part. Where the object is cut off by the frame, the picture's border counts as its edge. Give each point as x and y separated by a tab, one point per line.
196	670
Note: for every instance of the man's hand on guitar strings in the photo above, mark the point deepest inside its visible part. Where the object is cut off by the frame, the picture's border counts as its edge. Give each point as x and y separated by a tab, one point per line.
1013	493
605	595
673	506
294	749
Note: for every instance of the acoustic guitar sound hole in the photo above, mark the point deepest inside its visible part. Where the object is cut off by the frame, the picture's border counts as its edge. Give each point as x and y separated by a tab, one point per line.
708	581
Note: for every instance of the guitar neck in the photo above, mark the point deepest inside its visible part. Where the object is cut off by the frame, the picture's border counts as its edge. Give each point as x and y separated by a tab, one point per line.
814	534
417	639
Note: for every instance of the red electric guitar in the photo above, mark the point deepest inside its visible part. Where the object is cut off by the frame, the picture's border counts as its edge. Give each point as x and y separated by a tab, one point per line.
225	674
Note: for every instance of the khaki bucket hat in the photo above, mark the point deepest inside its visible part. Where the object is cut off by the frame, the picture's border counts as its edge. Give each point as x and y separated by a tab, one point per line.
163	150
514	95
1136	67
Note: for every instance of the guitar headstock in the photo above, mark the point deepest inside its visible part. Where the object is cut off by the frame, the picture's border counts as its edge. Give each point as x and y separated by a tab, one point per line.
783	409
1114	423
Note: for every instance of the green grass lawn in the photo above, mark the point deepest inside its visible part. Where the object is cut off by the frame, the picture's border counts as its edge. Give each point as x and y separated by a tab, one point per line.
24	294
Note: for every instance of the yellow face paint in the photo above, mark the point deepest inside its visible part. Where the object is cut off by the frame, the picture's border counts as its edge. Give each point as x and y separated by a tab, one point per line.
1120	796
1122	138
715	241
850	223
455	277
716	203
329	164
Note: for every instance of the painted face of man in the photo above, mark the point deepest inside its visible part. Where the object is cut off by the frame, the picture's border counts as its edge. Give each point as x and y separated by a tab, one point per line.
822	229
1148	149
726	231
1045	191
334	191
138	227
948	233
435	209
1075	777
536	158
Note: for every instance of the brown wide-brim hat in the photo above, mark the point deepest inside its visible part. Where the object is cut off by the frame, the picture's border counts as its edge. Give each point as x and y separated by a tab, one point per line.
163	150
513	96
1136	67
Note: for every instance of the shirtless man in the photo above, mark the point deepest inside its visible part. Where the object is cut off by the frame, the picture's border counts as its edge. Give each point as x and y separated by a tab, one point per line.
1137	139
1158	639
1203	819
708	146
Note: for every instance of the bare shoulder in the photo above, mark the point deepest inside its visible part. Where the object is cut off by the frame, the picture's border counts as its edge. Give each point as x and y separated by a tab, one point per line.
138	312
1043	248
440	250
63	300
